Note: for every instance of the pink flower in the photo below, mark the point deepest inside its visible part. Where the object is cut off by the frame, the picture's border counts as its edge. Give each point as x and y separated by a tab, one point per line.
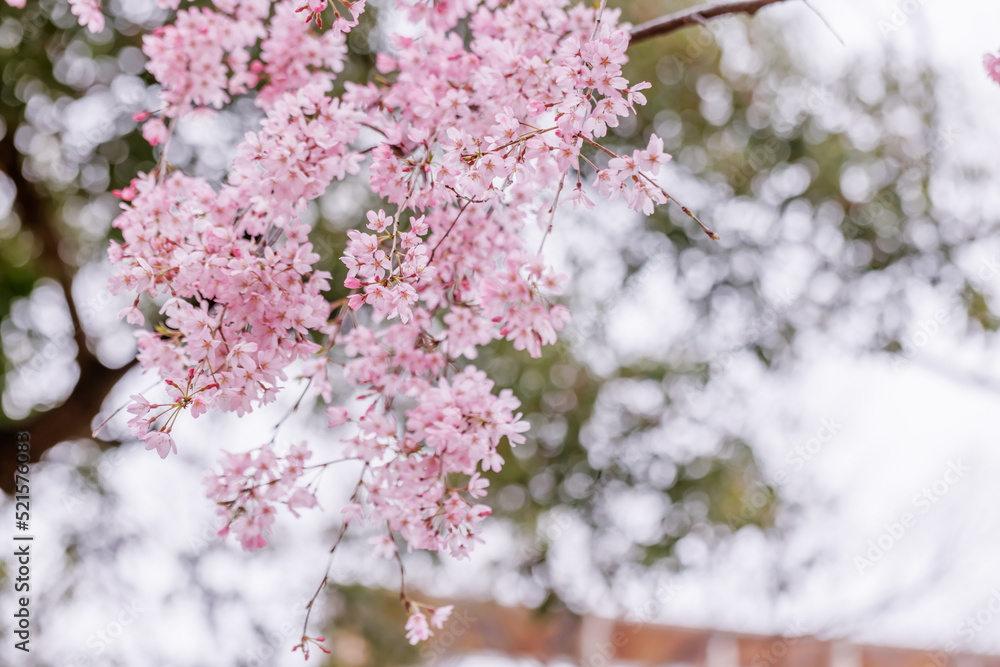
578	197
417	629
477	486
384	547
336	415
353	512
88	12
132	315
440	616
301	497
378	221
161	442
653	157
992	65
155	131
140	406
384	63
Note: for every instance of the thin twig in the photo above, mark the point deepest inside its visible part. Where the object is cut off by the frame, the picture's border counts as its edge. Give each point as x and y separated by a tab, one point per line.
822	18
329	562
711	234
455	222
249	490
120	408
599	18
552	211
402	572
161	164
274	434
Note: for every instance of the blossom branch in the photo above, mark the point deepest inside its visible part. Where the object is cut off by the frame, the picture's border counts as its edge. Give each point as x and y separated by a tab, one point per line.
552	214
245	302
695	16
711	234
402	574
306	640
465	205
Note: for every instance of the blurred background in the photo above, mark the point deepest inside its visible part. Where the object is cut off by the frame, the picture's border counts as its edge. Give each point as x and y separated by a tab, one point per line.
789	432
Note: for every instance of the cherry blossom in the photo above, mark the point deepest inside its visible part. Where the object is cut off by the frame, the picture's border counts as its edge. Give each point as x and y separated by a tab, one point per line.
88	12
466	136
161	442
992	65
417	628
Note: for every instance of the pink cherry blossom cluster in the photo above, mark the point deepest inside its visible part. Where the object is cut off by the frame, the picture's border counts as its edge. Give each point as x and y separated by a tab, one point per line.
454	428
418	628
487	119
252	483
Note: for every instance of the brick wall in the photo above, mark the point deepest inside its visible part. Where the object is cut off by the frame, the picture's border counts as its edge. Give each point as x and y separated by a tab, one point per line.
598	642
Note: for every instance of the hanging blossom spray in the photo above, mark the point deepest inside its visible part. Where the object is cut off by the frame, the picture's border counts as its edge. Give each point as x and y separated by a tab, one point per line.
467	136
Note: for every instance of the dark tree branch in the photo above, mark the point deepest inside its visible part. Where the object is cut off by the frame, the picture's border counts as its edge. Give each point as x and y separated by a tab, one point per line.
72	419
69	421
695	16
38	218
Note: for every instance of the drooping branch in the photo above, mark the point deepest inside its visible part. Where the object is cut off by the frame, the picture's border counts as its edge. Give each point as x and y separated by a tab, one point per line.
71	419
695	16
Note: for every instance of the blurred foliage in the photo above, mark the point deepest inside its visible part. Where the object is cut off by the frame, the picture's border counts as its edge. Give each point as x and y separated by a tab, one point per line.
65	104
365	631
838	184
